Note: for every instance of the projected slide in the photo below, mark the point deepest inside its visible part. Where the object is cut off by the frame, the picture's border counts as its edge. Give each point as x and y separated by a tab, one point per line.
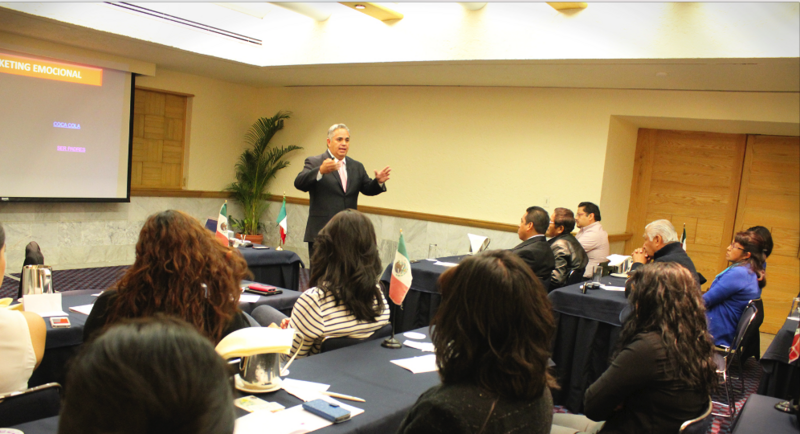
64	130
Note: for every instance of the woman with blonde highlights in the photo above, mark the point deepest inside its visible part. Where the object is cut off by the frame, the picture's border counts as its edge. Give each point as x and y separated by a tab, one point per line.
180	270
663	370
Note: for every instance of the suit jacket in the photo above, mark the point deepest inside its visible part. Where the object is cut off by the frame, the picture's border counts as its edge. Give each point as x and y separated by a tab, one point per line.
538	255
327	196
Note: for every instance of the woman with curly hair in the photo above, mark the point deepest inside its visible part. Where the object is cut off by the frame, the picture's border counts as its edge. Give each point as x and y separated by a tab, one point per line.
492	338
735	286
663	370
180	270
345	299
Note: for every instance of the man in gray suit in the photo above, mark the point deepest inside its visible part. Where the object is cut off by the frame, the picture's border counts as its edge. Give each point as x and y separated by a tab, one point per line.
333	182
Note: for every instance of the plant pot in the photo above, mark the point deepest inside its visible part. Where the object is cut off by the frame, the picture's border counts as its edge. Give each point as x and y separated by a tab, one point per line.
255	239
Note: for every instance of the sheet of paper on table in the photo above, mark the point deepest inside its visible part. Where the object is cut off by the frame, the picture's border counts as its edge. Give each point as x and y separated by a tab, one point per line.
305	390
293	420
612	288
43	304
424	346
419	364
85	309
445	264
249	298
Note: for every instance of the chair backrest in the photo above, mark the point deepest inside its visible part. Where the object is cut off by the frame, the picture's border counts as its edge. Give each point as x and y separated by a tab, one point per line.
575	276
336	343
745	323
700	424
31	404
751	342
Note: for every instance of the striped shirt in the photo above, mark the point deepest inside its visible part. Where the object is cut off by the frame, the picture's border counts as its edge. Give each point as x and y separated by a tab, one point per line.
316	317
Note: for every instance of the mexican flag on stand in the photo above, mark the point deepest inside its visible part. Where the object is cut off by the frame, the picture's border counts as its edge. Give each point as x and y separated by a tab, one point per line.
401	274
282	221
683	238
222	225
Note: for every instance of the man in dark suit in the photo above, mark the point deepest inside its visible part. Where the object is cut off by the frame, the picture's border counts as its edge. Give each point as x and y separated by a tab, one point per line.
333	182
534	249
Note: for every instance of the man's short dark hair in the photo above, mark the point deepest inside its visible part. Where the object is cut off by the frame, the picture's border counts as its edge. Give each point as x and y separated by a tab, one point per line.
538	216
590	208
565	218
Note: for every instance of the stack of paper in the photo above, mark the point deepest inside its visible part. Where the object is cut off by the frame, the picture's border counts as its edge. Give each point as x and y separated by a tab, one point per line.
43	304
419	364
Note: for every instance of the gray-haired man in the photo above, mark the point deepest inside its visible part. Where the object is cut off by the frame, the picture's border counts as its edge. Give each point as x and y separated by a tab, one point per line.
333	182
661	244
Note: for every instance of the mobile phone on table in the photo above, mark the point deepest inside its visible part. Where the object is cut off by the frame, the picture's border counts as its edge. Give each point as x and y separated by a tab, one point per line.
260	289
326	410
59	322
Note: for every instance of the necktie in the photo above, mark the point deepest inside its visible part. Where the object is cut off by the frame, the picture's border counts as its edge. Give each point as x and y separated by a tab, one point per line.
343	176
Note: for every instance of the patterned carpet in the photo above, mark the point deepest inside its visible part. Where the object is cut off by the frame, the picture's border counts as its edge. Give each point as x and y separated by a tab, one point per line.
70	280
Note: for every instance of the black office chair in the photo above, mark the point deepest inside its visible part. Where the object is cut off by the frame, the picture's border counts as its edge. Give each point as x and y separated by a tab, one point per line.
31	404
336	343
700	424
575	276
752	341
725	355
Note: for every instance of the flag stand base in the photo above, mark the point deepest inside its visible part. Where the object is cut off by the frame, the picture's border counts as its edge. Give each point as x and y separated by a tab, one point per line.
392	343
279	248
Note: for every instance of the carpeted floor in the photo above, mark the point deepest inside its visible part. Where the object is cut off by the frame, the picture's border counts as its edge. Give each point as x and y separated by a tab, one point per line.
70	280
104	277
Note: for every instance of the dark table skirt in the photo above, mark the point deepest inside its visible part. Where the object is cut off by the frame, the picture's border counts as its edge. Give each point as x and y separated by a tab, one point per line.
780	379
280	268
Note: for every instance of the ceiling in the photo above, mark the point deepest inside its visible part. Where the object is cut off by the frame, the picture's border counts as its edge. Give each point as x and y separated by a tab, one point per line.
747	75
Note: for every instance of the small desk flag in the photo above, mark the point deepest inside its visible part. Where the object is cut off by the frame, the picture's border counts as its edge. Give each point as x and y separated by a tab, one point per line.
794	350
282	221
683	238
401	274
222	225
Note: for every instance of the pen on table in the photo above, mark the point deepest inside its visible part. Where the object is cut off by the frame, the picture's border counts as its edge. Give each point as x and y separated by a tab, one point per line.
339	395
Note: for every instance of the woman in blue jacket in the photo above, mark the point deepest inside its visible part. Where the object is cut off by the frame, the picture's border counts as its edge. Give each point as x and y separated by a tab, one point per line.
735	286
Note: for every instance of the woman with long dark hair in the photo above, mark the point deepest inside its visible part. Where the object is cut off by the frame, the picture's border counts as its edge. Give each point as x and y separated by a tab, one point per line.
154	375
180	270
345	299
492	338
735	286
663	370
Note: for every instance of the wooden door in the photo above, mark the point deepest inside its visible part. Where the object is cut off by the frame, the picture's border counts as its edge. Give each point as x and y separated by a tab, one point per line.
158	140
770	197
692	179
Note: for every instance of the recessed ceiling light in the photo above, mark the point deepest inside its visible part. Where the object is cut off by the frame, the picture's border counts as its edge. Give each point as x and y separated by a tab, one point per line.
360	7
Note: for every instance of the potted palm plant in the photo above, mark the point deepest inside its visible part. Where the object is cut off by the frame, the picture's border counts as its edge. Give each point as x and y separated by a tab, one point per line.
257	166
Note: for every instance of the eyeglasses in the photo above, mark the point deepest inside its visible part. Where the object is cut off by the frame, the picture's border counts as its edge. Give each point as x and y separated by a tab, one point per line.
552	223
732	246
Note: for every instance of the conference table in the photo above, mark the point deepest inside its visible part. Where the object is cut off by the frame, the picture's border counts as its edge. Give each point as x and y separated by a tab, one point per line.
423	298
279	268
588	325
587	328
780	379
760	416
62	343
363	370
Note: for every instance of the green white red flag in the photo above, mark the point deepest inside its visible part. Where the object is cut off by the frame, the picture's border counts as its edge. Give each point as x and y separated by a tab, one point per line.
794	350
222	225
282	222
401	274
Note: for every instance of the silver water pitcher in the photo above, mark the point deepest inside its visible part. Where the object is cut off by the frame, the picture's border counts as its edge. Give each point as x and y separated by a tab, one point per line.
37	279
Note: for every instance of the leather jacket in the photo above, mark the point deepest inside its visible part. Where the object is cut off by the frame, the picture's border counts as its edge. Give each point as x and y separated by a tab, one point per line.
569	255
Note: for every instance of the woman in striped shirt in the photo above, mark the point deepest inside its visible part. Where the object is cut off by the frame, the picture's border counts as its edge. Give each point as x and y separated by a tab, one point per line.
345	300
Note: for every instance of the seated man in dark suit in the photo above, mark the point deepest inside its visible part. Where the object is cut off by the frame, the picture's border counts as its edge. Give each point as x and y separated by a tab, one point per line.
661	244
534	249
568	251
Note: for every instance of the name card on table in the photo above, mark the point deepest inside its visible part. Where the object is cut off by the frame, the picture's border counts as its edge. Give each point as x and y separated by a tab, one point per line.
43	304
